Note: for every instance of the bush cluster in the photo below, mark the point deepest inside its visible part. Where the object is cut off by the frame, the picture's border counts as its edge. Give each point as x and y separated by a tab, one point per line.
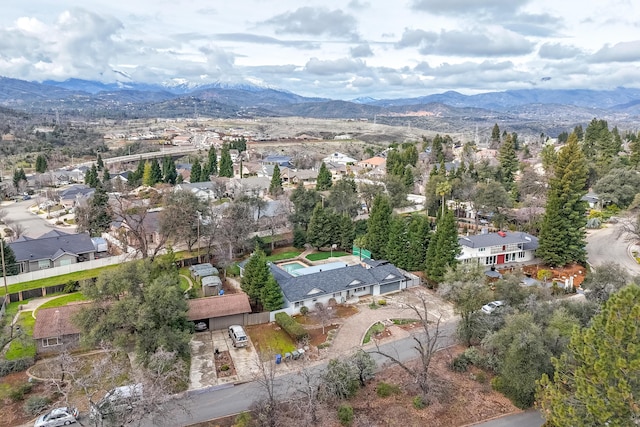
291	327
385	390
36	404
18	365
18	392
345	414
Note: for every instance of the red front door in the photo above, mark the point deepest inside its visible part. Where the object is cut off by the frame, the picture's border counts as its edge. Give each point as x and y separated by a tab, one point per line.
501	259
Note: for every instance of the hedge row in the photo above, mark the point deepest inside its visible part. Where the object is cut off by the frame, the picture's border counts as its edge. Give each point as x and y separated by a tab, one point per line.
18	365
290	326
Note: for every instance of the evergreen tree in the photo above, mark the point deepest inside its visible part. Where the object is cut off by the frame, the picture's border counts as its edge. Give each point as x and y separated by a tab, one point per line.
91	177
495	134
407	178
10	264
106	176
99	162
579	132
597	381
634	147
378	226
437	149
272	298
169	172
41	163
135	179
99	216
508	162
275	188
256	274
156	172
299	238
196	171
324	180
419	232
562	236
18	175
304	202
346	232
212	162
443	248
226	165
319	233
147	176
398	242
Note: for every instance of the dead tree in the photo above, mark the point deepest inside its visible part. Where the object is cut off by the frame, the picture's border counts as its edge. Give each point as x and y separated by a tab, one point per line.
266	408
308	403
324	314
426	343
629	228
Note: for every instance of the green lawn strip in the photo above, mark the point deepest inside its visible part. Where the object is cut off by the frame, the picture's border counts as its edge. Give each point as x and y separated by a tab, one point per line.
376	328
13	308
184	284
400	322
277	341
58	280
324	255
63	300
283	255
24	347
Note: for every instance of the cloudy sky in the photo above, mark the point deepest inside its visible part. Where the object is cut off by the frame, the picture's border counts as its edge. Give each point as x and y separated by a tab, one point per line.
330	48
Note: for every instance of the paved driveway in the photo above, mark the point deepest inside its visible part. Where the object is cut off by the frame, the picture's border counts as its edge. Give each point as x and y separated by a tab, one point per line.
33	225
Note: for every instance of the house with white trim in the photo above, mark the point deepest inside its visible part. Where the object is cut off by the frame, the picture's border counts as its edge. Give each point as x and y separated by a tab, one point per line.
498	249
339	158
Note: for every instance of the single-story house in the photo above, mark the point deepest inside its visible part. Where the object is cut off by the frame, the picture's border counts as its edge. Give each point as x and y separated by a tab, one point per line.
339	158
277	159
304	287
54	330
497	249
250	186
52	249
373	162
75	195
220	312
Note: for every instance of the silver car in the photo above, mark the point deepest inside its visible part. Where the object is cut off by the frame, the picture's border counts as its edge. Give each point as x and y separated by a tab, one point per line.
492	306
58	417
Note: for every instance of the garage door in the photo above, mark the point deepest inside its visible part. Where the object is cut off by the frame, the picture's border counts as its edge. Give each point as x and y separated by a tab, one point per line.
389	287
226	321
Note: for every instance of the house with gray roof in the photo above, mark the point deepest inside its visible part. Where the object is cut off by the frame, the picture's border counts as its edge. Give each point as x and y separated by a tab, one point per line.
304	287
498	249
52	249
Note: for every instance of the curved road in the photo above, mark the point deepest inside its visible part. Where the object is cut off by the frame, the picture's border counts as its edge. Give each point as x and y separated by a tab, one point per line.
605	245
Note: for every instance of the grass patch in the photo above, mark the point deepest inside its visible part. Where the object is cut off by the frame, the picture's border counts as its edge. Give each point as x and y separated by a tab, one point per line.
267	338
401	322
318	256
23	347
63	300
375	329
58	280
283	255
184	284
13	308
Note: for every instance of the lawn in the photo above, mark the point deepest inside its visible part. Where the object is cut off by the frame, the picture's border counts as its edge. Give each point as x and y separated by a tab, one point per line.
283	255
318	256
24	347
373	330
267	338
63	300
58	280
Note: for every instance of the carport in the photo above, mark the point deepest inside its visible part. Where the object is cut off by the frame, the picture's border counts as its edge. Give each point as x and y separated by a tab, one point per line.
220	312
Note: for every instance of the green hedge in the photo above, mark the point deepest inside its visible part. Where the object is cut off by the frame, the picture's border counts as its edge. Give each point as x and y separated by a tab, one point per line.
18	365
290	326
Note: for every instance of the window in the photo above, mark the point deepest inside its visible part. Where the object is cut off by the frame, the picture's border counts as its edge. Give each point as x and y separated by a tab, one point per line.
50	342
490	260
521	254
481	249
297	304
44	263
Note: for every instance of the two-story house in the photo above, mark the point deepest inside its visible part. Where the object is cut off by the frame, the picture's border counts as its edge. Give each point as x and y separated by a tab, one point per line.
495	249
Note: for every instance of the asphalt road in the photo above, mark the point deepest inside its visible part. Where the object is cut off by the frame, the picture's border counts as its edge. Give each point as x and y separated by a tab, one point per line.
33	225
210	404
604	245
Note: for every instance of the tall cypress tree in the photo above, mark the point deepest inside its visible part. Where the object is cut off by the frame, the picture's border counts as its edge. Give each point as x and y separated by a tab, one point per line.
156	172
275	187
398	242
443	247
271	296
323	181
226	165
419	231
320	225
256	274
508	162
196	171
212	163
169	172
562	235
41	163
378	226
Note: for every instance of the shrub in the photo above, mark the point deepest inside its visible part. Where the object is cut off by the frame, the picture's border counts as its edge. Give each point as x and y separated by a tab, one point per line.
242	420
419	402
460	363
224	368
17	365
18	393
304	310
36	404
332	302
345	414
382	302
323	345
291	327
71	286
481	377
385	390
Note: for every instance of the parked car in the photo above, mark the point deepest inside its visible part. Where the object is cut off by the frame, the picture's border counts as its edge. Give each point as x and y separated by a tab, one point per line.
238	336
58	417
492	306
201	326
117	402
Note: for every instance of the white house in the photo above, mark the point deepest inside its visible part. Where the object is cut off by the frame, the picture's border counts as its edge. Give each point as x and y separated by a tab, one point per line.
339	158
496	249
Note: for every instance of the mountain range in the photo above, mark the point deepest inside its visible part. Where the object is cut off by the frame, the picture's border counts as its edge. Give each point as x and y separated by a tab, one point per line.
178	98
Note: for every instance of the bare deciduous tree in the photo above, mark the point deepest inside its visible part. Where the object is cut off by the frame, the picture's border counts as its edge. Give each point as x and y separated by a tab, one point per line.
324	314
309	388
629	229
266	408
426	343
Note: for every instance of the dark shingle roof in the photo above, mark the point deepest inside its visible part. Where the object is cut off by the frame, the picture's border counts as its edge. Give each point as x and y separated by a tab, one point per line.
495	239
330	281
51	245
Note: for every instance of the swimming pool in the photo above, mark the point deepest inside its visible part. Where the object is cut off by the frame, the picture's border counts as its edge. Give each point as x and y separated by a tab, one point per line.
292	266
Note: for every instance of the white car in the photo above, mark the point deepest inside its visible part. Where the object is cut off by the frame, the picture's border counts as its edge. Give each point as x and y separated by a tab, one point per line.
58	417
492	306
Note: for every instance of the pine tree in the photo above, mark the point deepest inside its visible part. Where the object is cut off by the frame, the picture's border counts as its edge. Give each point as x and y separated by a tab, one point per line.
346	232
212	163
41	163
596	382
106	176
18	175
272	298
634	147
275	188
169	172
11	265
319	230
495	134
562	236
324	180
398	242
443	248
378	226
256	274
419	232
226	165
196	171
508	162
156	172
147	177
135	179
91	177
99	162
99	215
